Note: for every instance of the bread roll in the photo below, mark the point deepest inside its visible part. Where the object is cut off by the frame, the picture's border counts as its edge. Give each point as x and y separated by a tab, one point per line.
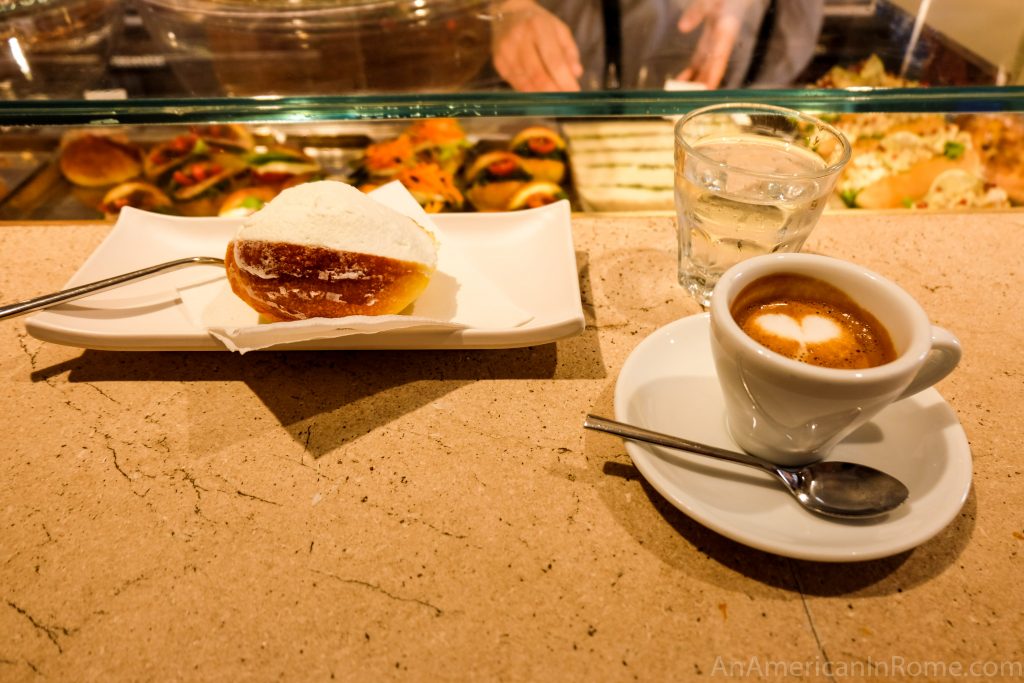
324	249
99	161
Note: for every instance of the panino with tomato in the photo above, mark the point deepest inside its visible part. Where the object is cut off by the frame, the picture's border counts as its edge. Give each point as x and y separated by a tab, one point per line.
199	186
493	178
542	151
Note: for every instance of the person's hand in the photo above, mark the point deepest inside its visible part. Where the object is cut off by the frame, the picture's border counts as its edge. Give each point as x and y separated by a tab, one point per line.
533	50
722	21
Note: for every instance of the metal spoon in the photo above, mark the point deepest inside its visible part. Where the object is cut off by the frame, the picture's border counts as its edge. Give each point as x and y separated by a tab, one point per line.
48	300
835	489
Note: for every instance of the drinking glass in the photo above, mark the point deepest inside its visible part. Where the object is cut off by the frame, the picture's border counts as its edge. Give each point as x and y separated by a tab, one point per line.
750	179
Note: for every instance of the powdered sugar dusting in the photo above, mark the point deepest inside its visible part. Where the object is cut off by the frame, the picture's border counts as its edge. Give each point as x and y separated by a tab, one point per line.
335	215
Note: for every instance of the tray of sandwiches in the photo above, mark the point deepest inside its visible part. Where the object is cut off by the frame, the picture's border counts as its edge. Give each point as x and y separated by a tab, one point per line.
916	161
233	170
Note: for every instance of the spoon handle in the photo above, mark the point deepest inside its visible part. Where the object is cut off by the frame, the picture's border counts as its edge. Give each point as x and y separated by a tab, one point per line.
628	431
48	300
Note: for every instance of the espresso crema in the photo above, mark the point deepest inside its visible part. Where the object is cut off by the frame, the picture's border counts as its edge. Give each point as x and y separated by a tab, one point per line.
811	321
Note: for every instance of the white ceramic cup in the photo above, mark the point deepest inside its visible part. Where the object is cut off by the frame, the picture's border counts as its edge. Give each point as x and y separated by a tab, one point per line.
793	413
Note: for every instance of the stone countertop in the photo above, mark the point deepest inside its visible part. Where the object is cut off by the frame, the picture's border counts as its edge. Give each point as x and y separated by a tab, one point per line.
376	515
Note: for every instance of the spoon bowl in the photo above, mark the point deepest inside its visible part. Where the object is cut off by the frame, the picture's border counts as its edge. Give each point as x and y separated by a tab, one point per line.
834	489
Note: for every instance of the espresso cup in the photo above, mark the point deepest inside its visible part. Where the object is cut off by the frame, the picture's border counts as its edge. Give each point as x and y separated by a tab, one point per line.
829	369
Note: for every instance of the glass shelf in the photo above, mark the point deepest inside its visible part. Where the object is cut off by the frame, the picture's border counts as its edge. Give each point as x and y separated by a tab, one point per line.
505	104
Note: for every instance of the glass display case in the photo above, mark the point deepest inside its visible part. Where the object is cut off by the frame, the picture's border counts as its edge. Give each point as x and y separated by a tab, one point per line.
282	91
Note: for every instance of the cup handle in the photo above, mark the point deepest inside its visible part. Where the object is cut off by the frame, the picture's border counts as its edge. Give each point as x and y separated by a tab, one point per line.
943	357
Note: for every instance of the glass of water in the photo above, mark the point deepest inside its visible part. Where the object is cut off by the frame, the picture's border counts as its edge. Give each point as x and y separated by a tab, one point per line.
750	179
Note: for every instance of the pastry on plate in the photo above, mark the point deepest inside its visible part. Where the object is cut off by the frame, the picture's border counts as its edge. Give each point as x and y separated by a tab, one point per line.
325	249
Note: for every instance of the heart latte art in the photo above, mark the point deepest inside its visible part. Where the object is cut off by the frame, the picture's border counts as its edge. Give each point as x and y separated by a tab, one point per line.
811	321
812	329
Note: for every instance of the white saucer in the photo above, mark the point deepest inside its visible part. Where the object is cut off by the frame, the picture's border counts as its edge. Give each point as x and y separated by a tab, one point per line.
668	384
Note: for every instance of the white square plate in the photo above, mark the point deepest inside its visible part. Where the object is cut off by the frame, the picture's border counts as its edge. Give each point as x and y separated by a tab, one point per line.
529	256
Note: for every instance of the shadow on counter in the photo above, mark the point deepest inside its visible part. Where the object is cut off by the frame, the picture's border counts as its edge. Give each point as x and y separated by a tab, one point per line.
883	576
299	387
682	543
345	393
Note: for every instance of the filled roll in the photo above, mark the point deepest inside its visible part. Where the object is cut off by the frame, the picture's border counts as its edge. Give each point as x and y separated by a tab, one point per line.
382	161
136	194
325	249
535	194
199	187
493	178
432	186
229	137
165	157
279	165
542	151
441	141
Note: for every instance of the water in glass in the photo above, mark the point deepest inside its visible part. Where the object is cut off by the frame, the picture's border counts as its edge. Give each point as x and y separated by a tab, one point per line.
741	196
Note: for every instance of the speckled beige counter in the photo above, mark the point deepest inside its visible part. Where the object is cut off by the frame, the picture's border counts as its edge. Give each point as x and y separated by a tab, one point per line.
443	516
